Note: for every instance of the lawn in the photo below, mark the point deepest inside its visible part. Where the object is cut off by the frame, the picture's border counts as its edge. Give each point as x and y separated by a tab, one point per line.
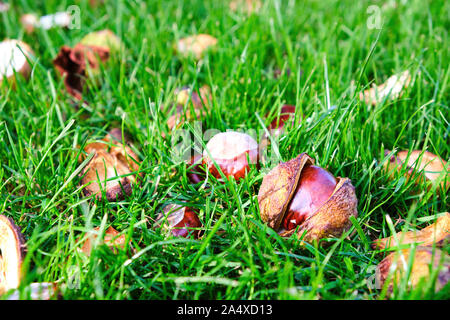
316	55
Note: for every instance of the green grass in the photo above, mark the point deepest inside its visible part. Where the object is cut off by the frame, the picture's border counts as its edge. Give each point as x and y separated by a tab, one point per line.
325	44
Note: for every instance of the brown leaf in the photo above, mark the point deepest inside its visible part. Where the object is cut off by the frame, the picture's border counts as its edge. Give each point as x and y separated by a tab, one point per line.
424	259
71	64
111	239
426	164
199	102
111	159
392	89
195	45
438	232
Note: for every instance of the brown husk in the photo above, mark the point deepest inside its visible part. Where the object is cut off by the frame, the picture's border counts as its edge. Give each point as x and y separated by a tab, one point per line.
71	64
111	239
438	232
113	156
278	187
423	258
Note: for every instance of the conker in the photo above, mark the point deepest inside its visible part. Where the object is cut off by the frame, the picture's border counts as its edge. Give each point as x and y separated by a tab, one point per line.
196	174
298	193
230	151
181	221
12	254
314	188
287	113
200	103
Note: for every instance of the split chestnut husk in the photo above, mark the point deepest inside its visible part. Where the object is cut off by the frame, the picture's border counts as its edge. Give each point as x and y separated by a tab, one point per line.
438	232
111	160
297	194
394	267
83	61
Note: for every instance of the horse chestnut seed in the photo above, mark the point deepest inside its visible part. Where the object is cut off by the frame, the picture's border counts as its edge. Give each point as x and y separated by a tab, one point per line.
230	151
298	193
181	221
314	188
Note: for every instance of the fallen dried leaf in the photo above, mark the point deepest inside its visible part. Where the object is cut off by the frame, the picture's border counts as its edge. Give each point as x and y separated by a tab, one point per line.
179	220
392	89
424	166
393	268
195	45
438	232
111	239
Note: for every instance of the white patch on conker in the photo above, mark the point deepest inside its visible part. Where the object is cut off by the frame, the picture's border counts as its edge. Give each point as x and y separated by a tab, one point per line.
229	145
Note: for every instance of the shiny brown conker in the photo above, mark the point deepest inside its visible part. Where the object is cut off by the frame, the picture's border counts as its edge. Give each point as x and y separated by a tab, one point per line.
182	221
314	188
230	151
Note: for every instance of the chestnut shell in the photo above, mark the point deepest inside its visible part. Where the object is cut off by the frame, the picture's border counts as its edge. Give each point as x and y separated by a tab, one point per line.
329	220
113	156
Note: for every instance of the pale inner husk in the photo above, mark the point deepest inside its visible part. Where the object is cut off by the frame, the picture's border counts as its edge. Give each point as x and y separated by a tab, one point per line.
11	58
10	262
